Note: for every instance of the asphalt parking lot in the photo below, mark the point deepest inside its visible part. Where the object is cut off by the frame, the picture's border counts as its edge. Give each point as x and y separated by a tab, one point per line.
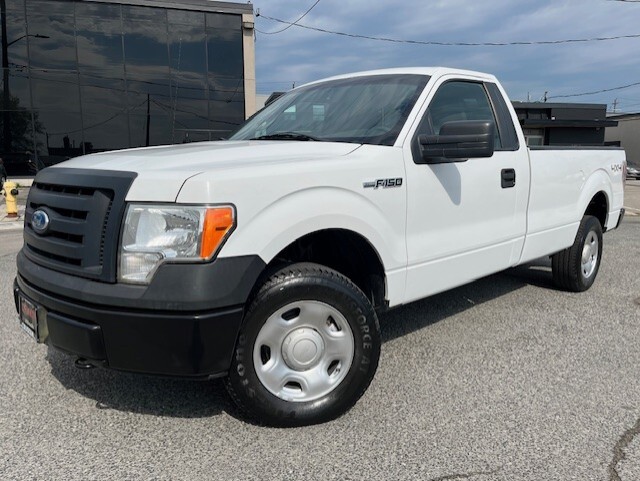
503	379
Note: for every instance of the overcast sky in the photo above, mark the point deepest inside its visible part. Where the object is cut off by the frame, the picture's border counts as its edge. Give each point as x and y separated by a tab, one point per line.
300	55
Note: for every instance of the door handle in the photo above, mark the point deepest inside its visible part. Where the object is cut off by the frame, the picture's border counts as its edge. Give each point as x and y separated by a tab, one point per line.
508	178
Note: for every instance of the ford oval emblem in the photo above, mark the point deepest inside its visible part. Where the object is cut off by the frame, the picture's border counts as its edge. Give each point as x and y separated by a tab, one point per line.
40	221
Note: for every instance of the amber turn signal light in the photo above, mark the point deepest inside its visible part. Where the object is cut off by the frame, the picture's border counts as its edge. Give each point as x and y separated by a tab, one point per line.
218	222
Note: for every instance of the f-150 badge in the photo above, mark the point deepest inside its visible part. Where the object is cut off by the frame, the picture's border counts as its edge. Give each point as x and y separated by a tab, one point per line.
383	183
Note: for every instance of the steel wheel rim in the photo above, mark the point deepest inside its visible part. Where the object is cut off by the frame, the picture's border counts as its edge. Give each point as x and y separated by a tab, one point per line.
303	351
589	259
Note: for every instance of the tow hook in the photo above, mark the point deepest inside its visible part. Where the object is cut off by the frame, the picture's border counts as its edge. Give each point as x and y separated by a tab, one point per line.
82	363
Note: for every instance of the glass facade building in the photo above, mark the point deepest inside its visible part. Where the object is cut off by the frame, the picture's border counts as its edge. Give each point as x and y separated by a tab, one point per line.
83	76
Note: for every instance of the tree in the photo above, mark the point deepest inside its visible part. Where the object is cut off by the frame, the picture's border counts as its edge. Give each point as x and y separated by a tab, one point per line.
21	131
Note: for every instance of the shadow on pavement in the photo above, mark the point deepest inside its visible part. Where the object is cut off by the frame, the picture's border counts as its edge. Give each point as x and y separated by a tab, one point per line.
193	399
412	317
141	394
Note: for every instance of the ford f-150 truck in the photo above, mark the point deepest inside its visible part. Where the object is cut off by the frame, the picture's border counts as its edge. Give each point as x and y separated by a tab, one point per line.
267	258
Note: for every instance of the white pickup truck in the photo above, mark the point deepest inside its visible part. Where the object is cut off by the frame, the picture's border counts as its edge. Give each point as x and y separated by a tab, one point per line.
267	258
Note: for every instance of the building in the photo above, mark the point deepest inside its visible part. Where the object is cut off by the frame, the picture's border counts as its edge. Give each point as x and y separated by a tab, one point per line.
82	76
262	100
546	124
563	123
627	135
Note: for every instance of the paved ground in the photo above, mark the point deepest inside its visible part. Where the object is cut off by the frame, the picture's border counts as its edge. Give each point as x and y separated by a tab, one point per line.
504	379
632	197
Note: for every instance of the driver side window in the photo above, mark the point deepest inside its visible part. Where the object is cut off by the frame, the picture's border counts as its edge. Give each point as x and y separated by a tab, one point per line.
458	100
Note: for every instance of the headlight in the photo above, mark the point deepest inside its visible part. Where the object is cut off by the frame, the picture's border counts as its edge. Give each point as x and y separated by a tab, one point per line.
153	234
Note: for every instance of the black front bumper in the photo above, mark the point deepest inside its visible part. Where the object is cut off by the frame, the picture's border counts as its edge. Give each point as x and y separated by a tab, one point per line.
150	329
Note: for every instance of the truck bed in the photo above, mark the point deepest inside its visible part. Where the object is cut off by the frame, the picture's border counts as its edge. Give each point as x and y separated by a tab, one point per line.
562	184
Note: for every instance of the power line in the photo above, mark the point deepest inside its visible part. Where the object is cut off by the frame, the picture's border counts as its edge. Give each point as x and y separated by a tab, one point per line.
173	79
582	94
279	82
126	109
450	44
169	109
130	89
292	24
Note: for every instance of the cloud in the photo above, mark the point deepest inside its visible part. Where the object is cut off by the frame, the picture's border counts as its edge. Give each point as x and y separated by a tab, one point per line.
302	55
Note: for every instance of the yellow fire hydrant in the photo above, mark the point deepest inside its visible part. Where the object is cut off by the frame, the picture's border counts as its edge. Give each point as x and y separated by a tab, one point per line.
10	192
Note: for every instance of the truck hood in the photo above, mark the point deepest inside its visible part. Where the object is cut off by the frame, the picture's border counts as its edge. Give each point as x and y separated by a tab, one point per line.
163	170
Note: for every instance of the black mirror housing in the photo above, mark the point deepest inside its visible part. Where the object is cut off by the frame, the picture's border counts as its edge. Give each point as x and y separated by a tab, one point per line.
458	141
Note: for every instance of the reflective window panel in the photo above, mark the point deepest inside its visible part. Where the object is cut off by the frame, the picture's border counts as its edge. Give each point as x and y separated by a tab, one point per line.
82	77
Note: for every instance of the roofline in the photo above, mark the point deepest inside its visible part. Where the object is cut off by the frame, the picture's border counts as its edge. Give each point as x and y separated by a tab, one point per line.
199	5
623	116
427	71
544	123
555	105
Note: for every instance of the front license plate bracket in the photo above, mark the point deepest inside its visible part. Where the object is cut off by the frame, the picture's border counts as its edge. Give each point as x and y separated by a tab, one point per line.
29	317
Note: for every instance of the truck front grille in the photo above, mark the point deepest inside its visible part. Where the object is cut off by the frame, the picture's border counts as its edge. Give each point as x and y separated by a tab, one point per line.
85	209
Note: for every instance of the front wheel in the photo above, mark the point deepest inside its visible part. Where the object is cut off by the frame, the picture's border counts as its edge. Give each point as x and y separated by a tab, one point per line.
308	348
575	268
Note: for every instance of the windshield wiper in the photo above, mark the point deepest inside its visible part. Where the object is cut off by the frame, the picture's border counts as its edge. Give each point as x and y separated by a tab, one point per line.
287	136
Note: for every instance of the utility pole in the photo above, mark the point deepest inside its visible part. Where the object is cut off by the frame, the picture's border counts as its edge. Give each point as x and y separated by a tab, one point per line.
6	96
544	97
615	105
148	118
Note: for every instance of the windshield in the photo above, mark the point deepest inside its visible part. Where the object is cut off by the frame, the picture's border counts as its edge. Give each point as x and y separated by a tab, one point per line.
364	110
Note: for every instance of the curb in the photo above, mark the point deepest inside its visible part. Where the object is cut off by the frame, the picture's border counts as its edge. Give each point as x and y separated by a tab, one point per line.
9	225
631	211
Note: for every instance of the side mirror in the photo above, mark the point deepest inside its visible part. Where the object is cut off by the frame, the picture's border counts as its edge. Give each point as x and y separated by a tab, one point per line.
458	141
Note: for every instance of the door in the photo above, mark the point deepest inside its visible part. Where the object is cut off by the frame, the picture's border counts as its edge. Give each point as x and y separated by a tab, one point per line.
465	219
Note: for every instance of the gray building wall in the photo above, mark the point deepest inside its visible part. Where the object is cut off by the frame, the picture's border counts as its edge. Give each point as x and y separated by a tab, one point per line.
563	124
628	134
593	136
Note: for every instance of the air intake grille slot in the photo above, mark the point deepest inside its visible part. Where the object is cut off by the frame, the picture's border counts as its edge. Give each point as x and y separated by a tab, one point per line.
85	209
49	255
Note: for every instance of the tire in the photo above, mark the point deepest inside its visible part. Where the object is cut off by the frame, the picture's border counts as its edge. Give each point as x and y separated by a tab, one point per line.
575	268
307	350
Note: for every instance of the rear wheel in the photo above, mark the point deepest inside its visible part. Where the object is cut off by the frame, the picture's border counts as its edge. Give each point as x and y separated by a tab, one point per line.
308	348
575	268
